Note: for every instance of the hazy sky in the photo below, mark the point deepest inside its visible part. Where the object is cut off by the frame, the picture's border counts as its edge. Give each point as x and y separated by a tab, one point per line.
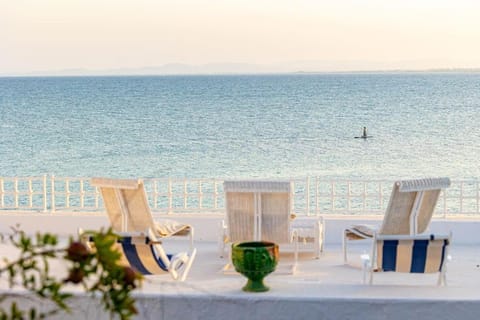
310	34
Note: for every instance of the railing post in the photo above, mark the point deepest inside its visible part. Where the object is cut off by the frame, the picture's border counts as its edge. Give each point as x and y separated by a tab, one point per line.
317	209
380	194
348	196
52	185
185	194
30	194
200	194
332	196
67	193
44	187
292	196
461	196
97	197
15	189
170	196
307	195
215	194
82	194
2	189
444	203
478	198
155	194
364	197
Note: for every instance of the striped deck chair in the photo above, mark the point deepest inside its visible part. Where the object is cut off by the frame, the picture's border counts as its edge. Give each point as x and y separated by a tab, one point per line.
146	255
409	210
409	254
260	211
128	210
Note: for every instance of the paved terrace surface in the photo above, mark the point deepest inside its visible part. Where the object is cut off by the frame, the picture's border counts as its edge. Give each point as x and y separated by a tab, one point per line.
322	288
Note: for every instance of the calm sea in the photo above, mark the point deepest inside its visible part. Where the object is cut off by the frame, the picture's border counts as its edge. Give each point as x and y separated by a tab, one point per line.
242	126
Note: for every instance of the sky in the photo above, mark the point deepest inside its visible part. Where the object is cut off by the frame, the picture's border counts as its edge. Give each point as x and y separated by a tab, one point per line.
281	35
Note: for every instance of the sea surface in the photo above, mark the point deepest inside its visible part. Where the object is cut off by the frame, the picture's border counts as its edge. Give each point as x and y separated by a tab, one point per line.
238	126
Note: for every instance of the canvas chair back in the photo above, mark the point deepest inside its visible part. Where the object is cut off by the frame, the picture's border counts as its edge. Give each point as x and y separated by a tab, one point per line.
240	207
258	210
275	219
411	206
126	204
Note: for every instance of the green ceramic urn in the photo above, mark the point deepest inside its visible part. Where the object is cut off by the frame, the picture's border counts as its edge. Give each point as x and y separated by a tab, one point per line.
255	260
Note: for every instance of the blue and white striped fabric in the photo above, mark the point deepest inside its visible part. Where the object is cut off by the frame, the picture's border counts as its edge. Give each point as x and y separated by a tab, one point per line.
140	254
412	255
146	255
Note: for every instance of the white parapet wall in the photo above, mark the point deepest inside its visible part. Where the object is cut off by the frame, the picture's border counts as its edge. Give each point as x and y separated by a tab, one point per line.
464	229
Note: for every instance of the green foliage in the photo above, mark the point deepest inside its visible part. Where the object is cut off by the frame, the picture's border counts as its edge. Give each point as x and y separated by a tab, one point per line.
92	262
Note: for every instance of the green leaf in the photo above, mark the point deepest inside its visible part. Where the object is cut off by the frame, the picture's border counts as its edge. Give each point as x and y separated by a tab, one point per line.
33	314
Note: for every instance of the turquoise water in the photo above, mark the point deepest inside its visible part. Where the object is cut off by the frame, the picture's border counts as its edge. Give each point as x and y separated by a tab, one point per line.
242	126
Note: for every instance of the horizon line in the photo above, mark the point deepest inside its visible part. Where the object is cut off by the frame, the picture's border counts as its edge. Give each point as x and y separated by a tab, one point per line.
105	72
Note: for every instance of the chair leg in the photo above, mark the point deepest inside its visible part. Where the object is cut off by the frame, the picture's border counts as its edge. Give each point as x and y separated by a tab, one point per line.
322	234
344	246
365	267
222	239
442	279
228	265
318	240
181	264
191	238
295	263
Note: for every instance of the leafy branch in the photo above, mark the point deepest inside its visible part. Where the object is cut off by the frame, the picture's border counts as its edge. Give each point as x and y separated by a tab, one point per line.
97	270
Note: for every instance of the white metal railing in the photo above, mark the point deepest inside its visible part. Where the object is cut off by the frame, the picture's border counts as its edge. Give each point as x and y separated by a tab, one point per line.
23	193
311	195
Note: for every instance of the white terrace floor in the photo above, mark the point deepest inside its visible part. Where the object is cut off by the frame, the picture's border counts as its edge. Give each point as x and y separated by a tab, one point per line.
322	288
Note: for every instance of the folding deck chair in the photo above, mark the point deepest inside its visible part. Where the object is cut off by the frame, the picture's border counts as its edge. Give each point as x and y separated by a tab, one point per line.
127	207
261	211
409	211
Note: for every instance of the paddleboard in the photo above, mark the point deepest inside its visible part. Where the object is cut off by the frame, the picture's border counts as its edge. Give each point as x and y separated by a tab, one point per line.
363	137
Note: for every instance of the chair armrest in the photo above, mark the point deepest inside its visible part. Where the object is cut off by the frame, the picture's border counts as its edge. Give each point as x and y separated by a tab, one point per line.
366	266
222	237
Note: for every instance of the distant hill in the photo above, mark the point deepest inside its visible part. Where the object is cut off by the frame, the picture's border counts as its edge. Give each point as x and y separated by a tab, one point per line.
167	69
237	68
